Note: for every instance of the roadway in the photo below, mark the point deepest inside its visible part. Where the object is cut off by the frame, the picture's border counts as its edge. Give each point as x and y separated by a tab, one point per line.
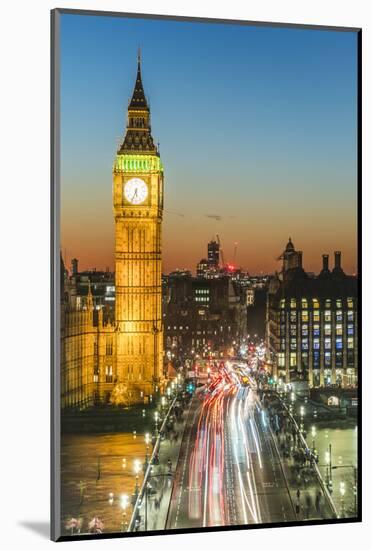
229	470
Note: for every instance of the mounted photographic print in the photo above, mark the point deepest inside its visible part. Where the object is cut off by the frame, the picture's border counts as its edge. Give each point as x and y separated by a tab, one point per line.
205	282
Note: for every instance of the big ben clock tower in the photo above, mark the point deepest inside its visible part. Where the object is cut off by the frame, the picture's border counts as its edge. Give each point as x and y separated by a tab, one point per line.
138	204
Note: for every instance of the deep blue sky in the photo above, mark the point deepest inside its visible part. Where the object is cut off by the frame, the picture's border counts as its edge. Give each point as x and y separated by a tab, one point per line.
256	125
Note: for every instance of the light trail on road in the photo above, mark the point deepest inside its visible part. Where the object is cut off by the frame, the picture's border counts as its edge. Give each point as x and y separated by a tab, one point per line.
233	468
230	402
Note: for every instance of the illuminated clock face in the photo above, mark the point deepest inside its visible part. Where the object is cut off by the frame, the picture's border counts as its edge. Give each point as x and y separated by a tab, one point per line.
135	191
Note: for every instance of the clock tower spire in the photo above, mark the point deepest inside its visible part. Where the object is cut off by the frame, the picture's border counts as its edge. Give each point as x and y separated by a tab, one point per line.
138	206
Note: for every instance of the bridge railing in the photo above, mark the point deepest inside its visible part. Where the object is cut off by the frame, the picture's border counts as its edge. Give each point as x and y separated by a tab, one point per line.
141	493
304	443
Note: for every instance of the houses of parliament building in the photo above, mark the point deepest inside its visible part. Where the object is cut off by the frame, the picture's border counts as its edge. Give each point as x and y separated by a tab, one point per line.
108	340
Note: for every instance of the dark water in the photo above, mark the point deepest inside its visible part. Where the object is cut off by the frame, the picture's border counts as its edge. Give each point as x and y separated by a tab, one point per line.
92	467
343	442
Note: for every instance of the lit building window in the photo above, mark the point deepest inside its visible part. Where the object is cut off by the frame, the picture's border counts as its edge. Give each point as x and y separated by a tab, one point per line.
109	375
350	315
315	330
339	329
327	358
339	315
292	359
328	303
316	316
350	343
350	330
304	330
327	315
109	347
304	316
315	343
282	304
339	304
327	330
350	303
293	316
339	342
304	343
281	359
95	377
304	303
327	343
315	303
293	343
283	343
293	303
293	330
316	359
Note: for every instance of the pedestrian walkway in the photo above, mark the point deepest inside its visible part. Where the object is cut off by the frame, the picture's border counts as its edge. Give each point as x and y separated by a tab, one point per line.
303	484
153	509
302	479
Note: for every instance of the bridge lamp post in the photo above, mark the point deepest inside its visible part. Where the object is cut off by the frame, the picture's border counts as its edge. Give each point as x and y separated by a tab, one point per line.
314	433
342	494
124	502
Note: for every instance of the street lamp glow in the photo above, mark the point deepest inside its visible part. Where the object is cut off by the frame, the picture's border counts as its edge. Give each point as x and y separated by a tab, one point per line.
301	411
292	396
146	438
342	488
313	431
136	466
327	457
124	501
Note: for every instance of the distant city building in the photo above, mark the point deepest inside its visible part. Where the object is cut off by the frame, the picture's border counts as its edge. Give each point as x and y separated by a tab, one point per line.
312	323
213	254
203	316
203	269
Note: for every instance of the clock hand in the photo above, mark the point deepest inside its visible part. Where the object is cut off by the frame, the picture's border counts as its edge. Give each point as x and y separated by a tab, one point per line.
135	193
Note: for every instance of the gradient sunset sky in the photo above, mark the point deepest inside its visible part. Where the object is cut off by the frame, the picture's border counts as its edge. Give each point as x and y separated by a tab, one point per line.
257	131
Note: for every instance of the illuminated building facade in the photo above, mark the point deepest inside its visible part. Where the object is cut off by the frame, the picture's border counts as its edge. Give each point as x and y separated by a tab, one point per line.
88	347
312	323
112	331
138	205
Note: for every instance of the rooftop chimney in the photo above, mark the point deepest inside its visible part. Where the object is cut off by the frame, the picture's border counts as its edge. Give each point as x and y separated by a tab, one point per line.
337	259
75	266
300	258
324	262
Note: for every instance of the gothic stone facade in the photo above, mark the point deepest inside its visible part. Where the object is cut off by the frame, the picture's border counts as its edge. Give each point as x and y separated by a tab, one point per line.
96	353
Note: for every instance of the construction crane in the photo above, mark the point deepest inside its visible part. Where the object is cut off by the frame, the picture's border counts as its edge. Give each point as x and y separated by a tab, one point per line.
235	253
220	250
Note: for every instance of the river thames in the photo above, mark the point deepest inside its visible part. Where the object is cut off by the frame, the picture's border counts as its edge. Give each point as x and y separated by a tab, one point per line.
96	470
343	442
